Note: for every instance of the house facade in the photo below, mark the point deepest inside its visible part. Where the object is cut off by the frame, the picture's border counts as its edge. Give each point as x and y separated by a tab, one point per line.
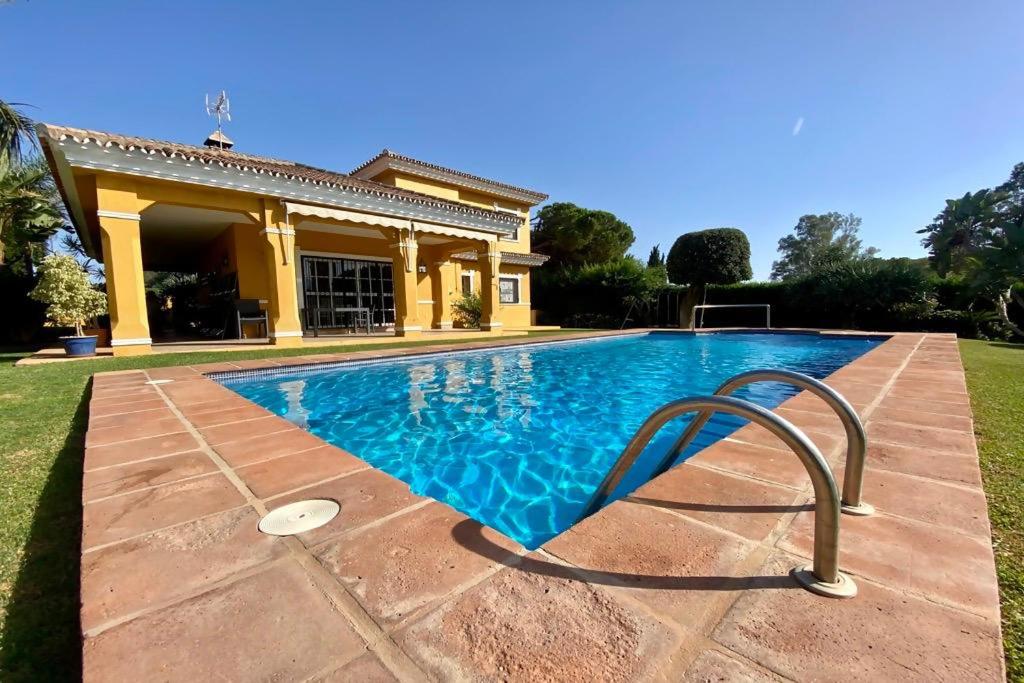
392	244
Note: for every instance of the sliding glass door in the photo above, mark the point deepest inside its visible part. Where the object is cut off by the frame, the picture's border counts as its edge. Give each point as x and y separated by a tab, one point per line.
335	288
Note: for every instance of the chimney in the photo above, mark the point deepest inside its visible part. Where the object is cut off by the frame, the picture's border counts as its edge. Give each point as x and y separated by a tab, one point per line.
217	140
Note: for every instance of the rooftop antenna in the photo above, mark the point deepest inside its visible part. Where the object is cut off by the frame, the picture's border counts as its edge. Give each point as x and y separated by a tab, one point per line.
221	108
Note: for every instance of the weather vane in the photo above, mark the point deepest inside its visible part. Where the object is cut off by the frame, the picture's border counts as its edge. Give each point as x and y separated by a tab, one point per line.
221	108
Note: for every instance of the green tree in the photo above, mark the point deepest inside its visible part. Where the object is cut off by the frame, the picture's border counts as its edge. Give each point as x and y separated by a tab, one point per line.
30	212
819	242
980	237
16	133
1013	188
957	234
64	286
572	235
718	256
656	258
30	207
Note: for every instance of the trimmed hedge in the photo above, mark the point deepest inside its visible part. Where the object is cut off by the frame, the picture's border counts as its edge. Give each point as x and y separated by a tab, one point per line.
878	296
884	295
716	256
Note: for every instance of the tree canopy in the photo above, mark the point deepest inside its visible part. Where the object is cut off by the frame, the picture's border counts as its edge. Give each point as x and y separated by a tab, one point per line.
980	237
30	206
819	242
717	256
655	258
64	286
16	133
572	235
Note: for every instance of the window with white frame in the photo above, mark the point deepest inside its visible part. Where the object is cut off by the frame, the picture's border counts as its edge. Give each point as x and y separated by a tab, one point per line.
508	290
467	284
514	237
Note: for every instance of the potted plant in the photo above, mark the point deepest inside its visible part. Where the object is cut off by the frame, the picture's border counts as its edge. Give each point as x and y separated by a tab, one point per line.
71	299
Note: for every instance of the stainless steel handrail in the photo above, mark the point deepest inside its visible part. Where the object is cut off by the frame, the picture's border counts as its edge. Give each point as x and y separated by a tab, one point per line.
824	576
856	438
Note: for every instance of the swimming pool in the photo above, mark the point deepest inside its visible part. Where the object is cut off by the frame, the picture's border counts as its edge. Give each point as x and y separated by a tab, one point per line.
519	437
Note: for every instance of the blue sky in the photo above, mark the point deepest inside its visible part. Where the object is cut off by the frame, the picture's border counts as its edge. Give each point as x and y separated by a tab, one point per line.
675	116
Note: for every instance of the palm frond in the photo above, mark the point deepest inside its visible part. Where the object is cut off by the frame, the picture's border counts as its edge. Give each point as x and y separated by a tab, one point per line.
16	132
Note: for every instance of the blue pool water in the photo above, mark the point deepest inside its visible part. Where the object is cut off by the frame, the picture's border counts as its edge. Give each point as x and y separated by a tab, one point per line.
519	438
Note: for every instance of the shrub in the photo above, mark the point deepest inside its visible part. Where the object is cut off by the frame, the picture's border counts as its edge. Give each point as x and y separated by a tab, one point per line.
719	256
468	310
602	293
65	287
867	293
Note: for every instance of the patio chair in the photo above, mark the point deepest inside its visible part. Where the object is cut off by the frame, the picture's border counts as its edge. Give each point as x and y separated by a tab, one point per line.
249	311
362	319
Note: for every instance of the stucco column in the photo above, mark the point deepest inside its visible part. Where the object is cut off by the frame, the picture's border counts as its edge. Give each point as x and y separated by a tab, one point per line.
490	266
126	289
279	253
118	208
403	258
443	291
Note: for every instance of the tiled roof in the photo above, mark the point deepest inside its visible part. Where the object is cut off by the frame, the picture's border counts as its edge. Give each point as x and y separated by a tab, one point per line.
259	164
510	257
388	154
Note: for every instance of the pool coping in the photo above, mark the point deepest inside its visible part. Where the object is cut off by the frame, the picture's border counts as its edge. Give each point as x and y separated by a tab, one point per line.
663	584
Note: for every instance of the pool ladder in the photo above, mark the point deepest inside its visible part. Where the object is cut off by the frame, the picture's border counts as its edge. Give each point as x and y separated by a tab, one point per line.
822	576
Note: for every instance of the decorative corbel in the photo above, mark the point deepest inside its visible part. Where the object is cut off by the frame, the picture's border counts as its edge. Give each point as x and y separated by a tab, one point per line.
286	232
408	248
494	257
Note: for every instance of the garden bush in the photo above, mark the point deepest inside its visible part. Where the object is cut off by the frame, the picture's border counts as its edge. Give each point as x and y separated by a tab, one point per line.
468	310
895	295
597	293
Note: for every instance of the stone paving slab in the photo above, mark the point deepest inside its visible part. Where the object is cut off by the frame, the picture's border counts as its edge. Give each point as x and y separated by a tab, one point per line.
539	623
414	560
686	579
144	474
881	635
275	625
121	579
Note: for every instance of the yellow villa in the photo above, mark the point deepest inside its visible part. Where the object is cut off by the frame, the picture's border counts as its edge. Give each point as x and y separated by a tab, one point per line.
389	246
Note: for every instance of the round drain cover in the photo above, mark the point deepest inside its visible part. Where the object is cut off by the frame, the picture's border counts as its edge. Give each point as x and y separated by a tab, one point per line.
295	518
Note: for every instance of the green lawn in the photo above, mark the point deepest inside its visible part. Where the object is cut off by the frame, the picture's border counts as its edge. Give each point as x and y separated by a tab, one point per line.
995	380
43	417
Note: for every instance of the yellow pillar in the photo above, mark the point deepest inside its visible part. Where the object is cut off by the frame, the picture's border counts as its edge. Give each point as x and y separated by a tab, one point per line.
279	253
443	288
490	265
119	221
403	259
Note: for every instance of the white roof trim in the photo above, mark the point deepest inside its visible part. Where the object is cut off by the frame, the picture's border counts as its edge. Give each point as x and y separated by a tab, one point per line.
390	163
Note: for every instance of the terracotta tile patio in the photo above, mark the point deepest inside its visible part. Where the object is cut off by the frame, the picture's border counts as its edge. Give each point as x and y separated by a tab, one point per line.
686	579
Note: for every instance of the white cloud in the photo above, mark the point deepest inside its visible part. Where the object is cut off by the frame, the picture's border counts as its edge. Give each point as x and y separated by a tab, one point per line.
798	126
